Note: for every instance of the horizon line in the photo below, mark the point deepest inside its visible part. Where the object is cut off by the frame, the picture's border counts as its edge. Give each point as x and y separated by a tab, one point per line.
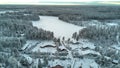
67	3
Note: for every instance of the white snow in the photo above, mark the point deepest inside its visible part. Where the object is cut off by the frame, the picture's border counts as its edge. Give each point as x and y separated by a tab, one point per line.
44	43
83	43
29	43
116	47
94	23
112	24
87	52
64	29
10	11
88	44
47	49
60	28
62	47
26	14
36	62
60	62
115	61
86	63
29	59
108	58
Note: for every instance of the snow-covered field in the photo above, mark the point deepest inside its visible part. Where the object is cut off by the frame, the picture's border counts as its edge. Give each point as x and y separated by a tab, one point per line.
60	28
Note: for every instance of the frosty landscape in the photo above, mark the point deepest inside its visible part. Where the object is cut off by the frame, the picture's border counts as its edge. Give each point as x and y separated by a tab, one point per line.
59	36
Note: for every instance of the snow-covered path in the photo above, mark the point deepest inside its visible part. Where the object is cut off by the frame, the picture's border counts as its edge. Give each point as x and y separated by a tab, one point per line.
60	28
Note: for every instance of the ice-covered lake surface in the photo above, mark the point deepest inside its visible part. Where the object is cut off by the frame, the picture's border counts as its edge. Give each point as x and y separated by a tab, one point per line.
59	27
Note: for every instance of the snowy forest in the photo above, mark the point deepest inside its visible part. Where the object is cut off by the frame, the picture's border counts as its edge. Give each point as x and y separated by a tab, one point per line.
41	36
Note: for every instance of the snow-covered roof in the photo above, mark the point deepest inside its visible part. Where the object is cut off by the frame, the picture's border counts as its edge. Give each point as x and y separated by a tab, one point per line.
46	49
62	47
45	43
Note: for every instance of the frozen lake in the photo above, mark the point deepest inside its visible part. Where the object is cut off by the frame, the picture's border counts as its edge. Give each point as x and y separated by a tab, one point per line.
59	27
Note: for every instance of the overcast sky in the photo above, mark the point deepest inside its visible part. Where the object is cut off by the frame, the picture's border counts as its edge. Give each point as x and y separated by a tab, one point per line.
50	1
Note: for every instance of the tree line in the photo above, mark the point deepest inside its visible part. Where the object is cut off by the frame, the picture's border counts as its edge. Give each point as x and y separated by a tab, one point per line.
104	34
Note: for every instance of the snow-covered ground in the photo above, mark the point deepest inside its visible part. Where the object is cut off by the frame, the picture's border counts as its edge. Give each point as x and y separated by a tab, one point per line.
47	49
29	43
60	28
112	24
85	63
73	62
83	44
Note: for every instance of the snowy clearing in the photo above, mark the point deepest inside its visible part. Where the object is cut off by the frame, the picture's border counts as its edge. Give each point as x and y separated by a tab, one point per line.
85	63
